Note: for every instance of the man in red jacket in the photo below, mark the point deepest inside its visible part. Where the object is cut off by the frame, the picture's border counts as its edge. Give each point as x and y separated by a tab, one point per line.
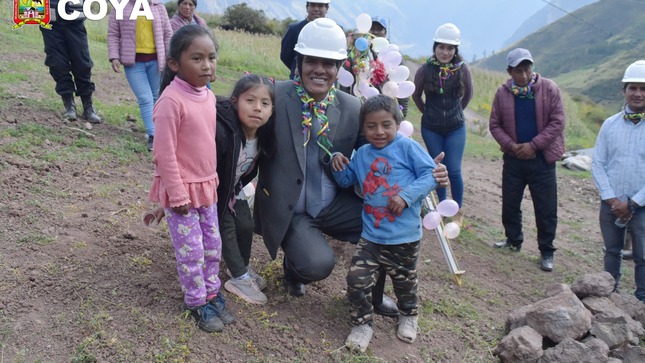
527	121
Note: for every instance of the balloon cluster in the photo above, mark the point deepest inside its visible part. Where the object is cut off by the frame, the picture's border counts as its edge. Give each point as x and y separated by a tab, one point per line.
375	65
445	208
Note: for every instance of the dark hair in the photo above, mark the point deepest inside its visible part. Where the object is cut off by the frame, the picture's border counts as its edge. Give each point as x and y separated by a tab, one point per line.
301	57
522	63
266	132
181	1
180	41
309	2
455	59
380	103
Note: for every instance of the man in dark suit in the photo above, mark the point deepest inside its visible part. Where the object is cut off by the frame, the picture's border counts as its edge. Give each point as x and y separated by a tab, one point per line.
315	9
296	198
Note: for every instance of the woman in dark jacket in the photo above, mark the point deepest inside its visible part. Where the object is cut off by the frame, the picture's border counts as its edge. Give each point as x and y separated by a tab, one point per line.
447	84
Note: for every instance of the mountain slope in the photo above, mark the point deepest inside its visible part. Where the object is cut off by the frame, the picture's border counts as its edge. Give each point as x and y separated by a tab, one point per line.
586	53
546	16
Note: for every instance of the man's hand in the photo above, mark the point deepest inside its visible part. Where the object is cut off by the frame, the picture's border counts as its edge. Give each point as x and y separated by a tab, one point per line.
440	173
524	151
619	209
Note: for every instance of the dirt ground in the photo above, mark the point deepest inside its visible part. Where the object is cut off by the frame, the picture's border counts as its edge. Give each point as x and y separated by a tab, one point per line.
82	280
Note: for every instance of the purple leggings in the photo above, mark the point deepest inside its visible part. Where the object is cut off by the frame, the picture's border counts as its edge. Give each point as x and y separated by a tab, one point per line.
198	249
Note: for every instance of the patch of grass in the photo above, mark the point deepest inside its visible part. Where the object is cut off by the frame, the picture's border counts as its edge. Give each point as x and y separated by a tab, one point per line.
37	238
177	349
141	261
451	308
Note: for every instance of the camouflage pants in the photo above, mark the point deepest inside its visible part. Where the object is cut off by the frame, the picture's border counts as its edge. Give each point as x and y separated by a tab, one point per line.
398	261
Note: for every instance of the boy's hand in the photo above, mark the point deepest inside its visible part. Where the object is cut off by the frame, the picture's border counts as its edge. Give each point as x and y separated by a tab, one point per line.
396	205
338	162
182	210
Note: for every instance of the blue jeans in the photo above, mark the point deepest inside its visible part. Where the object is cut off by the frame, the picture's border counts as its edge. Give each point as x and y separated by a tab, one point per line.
144	78
614	238
453	144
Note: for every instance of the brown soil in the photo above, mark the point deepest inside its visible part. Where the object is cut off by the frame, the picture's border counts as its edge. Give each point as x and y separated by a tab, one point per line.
83	280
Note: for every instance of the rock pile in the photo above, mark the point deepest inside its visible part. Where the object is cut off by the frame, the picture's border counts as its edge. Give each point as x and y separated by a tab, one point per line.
585	322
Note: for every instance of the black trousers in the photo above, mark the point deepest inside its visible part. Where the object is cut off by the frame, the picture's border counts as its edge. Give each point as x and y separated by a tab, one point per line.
541	180
237	237
308	256
68	57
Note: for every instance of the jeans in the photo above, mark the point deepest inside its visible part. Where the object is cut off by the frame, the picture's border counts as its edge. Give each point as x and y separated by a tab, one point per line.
144	78
614	238
453	144
541	180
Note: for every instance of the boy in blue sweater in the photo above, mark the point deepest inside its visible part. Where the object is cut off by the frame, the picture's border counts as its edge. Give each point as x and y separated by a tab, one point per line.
395	175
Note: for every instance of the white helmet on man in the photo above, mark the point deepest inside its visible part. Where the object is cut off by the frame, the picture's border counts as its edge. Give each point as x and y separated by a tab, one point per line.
635	73
448	33
320	1
322	38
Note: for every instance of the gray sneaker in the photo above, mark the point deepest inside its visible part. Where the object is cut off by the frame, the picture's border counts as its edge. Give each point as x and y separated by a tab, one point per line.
246	289
259	280
359	338
408	326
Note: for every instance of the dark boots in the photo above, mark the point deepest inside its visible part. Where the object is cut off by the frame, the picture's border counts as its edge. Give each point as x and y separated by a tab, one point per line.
88	110
70	107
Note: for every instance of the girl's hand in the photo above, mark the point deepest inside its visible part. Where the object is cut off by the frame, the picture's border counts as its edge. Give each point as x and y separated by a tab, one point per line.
116	65
338	162
182	210
396	205
153	217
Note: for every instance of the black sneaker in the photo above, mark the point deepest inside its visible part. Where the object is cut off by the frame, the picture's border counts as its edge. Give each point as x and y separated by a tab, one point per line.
151	139
219	305
546	263
206	317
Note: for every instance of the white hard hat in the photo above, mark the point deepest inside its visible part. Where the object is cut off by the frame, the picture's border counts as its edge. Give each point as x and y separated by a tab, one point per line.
322	38
320	1
448	33
635	73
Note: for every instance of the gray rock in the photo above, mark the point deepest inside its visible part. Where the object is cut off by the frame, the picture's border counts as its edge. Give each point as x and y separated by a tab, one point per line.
517	318
611	330
630	305
629	354
523	344
555	289
559	317
571	351
594	284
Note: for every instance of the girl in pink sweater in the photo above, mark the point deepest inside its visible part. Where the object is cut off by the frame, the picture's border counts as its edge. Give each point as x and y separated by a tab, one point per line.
185	182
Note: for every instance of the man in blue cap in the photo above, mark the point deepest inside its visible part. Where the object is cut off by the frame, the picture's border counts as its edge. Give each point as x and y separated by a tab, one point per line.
379	27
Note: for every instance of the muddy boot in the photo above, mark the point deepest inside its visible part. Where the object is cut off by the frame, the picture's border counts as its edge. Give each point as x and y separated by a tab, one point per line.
88	110
70	107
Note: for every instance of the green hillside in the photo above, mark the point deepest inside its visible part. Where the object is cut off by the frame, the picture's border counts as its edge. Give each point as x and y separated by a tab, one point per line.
587	52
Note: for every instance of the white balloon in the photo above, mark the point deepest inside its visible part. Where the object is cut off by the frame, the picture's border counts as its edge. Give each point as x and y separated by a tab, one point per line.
363	23
357	91
370	92
379	43
391	59
389	48
448	207
390	88
431	220
406	129
399	74
364	88
345	77
406	89
451	230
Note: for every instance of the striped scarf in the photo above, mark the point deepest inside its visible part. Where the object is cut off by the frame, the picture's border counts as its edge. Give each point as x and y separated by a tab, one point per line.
311	108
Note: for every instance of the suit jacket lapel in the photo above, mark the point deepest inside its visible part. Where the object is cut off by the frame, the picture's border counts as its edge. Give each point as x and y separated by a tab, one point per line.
333	118
294	115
